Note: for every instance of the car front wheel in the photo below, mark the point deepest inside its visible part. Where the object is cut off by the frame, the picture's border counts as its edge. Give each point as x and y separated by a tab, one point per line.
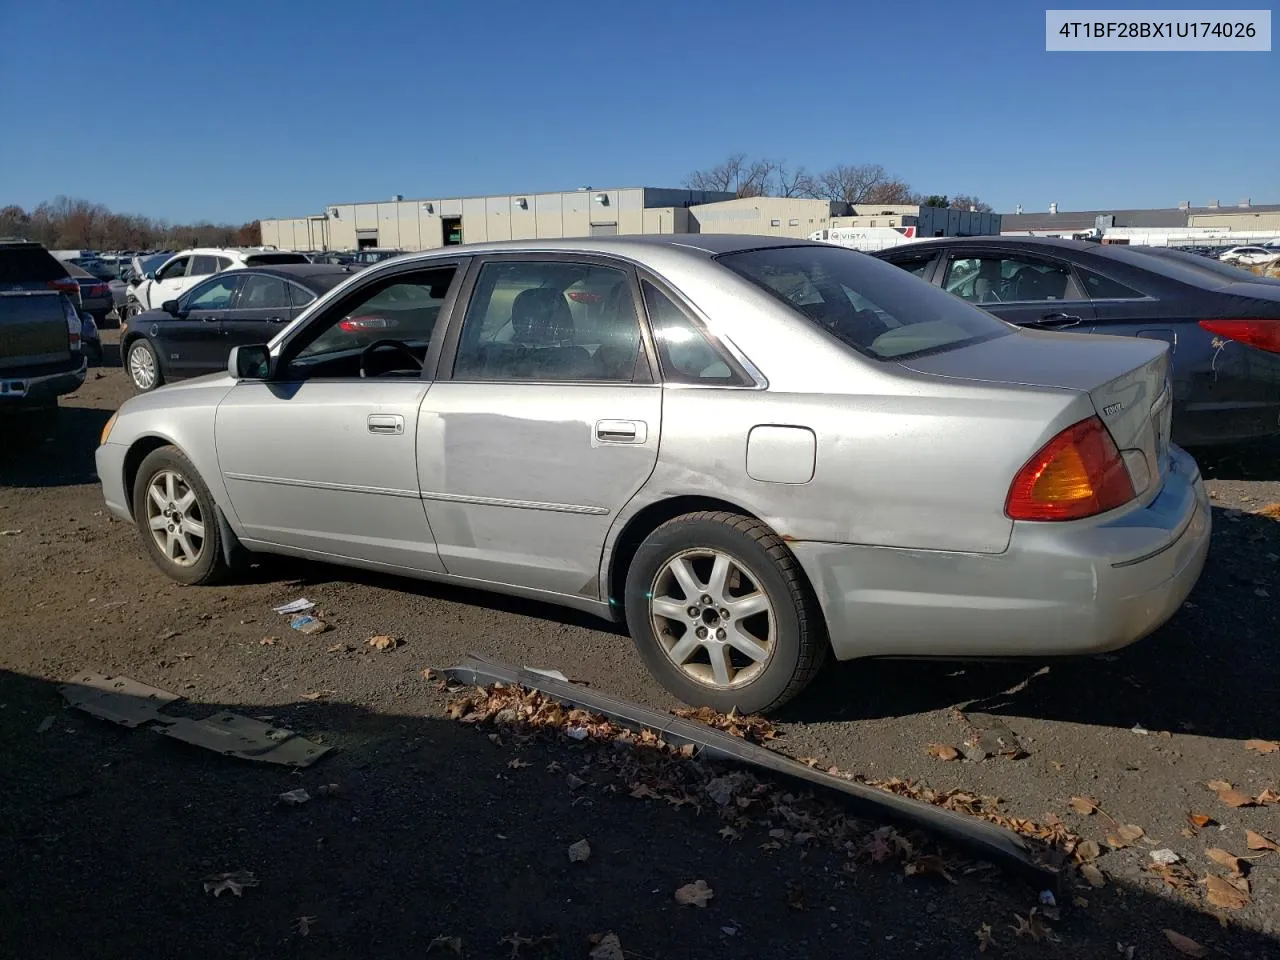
722	614
143	365
175	514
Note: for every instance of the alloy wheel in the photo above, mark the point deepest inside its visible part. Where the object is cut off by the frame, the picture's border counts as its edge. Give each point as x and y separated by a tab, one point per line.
713	618
142	368
175	519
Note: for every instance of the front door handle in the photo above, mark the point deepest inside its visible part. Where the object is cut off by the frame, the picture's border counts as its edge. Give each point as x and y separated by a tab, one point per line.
390	424
275	319
1060	319
621	431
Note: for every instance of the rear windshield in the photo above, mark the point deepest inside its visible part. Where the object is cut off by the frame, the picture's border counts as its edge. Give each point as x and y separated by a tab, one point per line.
29	265
263	259
1213	272
876	308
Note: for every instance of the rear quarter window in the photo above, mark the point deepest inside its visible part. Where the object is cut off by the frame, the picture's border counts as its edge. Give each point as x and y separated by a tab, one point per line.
264	259
872	306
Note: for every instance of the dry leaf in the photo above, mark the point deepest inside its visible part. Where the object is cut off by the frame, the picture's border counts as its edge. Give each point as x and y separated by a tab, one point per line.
730	834
1224	894
985	938
1083	805
579	852
943	752
1130	833
1092	875
302	925
1267	796
1224	859
1234	798
313	695
235	882
1185	945
1256	841
1032	926
609	947
383	642
517	764
1199	820
295	798
1217	786
694	894
268	641
1262	746
1088	850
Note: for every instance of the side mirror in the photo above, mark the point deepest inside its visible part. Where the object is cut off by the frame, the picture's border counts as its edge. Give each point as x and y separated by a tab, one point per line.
250	362
170	307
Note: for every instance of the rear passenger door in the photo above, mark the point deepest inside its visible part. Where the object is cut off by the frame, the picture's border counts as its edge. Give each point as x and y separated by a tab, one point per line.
260	311
1022	288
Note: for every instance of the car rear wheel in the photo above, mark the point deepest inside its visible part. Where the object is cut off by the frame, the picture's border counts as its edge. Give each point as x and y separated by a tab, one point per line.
143	365
131	309
176	516
722	614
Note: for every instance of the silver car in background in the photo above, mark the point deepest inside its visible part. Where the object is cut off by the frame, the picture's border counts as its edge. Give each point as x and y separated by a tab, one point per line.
756	452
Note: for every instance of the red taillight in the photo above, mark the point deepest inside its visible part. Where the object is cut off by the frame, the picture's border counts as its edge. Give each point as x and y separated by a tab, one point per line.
1077	474
1261	333
65	284
360	324
99	290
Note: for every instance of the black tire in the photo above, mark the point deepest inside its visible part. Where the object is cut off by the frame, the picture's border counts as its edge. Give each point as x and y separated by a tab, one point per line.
209	567
144	345
800	643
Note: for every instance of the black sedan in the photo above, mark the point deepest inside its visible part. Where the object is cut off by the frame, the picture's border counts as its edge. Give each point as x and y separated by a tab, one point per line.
1223	329
194	334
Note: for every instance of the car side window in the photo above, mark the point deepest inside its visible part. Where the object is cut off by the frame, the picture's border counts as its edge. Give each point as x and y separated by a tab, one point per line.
1099	287
914	265
174	268
300	295
202	265
685	353
259	291
214	294
556	320
990	278
402	308
224	263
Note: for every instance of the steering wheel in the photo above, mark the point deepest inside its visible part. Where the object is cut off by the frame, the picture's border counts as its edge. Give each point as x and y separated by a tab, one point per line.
397	345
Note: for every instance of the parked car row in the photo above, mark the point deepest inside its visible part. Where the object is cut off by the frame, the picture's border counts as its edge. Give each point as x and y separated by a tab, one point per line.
1222	325
157	283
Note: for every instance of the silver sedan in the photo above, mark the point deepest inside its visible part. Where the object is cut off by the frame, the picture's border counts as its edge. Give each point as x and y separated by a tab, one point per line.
756	452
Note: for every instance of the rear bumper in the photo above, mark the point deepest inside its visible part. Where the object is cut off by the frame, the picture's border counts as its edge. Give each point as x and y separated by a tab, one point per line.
18	391
1059	589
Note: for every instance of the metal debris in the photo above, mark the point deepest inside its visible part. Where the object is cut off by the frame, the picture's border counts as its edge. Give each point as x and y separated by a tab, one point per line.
133	704
988	841
118	699
246	738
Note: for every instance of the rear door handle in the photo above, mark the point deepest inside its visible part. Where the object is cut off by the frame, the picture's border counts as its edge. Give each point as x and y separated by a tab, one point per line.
275	319
621	431
390	424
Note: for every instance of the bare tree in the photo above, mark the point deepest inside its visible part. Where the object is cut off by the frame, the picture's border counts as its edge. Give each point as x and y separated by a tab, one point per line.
859	183
962	201
784	181
890	191
737	175
72	223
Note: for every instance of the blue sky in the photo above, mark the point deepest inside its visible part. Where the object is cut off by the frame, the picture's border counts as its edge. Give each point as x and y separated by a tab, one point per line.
229	110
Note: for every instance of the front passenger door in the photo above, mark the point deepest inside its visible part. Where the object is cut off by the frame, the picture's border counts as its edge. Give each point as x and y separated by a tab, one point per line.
193	339
1020	288
260	310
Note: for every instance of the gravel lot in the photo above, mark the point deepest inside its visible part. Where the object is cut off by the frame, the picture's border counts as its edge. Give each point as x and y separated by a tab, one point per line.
435	833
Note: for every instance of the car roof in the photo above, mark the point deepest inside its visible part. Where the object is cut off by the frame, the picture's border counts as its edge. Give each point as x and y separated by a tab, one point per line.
1001	241
701	244
307	274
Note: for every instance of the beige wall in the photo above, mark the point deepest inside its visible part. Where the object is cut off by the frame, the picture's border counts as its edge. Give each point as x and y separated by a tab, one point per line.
764	216
297	233
1239	220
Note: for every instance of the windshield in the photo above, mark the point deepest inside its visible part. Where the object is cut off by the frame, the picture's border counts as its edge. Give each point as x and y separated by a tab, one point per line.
871	306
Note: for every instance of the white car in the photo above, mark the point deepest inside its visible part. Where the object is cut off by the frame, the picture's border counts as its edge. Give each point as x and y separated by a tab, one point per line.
1249	256
185	269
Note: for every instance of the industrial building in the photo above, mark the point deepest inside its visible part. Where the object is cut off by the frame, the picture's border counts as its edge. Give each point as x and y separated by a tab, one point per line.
1244	216
427	224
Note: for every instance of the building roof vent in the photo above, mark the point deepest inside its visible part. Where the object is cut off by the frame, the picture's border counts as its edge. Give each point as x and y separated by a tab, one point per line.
1213	204
1184	206
1244	204
1053	208
1018	210
397	197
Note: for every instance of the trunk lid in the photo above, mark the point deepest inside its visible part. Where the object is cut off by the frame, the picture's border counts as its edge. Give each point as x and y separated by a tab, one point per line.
1127	379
